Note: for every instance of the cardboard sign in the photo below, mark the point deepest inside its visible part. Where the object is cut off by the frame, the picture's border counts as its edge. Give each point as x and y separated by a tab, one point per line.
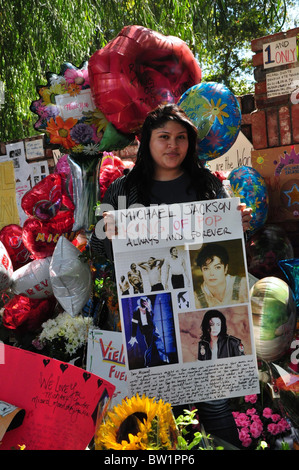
106	356
62	403
238	155
281	52
8	203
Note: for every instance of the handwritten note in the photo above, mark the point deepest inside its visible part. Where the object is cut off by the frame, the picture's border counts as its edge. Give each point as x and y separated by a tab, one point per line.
75	106
62	402
35	149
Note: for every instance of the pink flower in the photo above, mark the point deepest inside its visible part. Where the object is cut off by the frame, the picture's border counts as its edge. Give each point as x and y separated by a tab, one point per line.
256	418
242	420
267	412
251	412
250	399
275	417
245	437
283	425
273	429
79	76
256	429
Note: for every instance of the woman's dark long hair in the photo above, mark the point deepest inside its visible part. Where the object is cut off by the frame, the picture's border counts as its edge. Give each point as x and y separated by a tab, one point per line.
205	325
203	181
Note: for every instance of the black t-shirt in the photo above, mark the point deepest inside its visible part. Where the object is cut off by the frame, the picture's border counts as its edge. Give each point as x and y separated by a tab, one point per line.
172	192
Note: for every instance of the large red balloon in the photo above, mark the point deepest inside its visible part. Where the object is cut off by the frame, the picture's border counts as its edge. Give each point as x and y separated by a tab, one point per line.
28	314
11	237
40	238
44	199
137	71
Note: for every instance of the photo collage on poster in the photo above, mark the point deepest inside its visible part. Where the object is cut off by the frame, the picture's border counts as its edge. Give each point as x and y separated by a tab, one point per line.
175	296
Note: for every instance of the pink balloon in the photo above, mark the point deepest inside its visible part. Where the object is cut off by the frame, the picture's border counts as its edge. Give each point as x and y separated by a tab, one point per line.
64	170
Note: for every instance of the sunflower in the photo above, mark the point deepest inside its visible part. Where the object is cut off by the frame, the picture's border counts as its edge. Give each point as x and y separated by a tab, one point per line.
60	131
49	94
138	424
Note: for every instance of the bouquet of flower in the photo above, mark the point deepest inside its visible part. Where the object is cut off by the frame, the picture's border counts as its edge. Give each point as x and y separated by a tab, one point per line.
259	426
145	424
63	337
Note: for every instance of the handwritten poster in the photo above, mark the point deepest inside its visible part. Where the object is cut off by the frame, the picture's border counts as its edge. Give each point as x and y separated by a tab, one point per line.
184	301
15	152
238	155
62	403
35	149
25	175
283	82
106	357
8	203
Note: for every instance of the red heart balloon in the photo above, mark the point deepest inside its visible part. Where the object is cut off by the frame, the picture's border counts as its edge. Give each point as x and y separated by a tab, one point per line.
40	238
44	199
137	71
27	314
11	237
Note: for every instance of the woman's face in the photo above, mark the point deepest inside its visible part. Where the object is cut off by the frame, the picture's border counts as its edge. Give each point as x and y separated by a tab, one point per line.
215	326
214	272
168	147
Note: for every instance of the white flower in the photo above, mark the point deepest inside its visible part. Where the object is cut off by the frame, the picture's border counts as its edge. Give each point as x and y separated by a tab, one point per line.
73	330
91	149
57	80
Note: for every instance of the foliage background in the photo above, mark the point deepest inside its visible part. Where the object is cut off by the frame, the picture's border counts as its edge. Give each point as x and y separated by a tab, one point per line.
37	36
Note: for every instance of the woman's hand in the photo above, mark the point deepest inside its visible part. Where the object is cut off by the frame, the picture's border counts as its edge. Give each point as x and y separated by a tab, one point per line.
110	228
246	213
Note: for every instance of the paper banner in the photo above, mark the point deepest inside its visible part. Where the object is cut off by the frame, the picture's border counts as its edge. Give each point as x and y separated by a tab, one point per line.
8	203
106	355
62	402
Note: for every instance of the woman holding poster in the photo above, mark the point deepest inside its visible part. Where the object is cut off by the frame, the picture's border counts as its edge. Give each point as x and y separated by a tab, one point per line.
168	171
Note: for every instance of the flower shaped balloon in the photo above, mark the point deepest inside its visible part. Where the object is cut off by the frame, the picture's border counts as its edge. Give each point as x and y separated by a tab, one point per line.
67	113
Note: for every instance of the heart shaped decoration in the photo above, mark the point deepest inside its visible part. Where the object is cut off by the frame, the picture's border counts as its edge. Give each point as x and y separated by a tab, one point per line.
40	238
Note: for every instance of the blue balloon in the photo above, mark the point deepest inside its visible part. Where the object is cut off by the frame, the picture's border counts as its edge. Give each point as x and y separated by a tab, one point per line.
290	267
250	187
216	113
